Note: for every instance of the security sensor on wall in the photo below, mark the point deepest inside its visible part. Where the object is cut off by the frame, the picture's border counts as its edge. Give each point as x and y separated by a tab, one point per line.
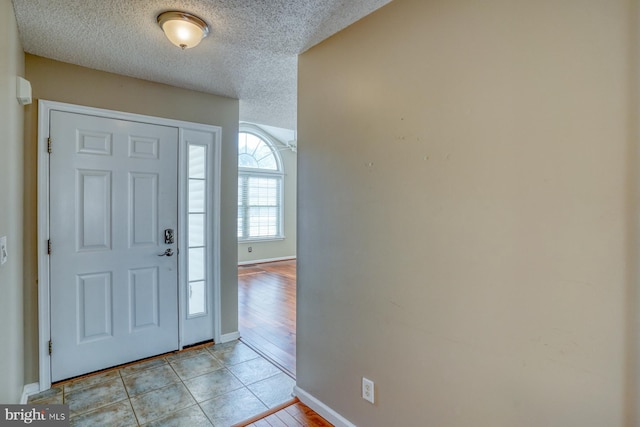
23	91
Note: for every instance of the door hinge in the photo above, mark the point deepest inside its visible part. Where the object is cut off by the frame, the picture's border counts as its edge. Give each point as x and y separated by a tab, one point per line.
50	347
49	247
49	145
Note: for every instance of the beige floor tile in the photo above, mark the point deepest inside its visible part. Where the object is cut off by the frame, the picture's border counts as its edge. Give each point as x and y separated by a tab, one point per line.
189	417
274	390
232	407
141	366
95	396
150	379
185	354
231	382
213	384
90	380
254	370
233	353
195	366
161	403
52	396
118	414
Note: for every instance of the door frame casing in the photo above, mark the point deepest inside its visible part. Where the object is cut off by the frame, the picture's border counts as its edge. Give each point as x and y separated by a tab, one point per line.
44	305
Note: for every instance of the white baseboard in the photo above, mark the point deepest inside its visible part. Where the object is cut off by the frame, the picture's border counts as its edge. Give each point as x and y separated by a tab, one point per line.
262	261
28	390
229	337
323	410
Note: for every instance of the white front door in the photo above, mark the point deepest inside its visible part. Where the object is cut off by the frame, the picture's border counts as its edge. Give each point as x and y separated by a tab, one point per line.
113	193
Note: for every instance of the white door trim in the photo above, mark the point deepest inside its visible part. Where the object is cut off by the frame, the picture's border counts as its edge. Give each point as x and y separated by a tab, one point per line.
44	308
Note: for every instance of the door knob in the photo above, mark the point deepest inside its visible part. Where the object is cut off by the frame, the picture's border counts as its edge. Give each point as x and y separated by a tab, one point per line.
168	252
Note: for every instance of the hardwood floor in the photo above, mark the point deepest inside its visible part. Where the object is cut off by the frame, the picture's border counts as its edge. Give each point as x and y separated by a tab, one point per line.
267	311
293	414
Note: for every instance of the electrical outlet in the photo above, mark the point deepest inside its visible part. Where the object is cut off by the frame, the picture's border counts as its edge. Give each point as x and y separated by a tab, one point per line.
368	391
250	249
3	250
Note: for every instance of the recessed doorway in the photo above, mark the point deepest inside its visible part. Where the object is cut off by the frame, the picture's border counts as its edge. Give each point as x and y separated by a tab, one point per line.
267	169
267	311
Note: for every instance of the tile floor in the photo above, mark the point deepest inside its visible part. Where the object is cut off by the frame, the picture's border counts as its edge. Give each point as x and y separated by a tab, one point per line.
211	386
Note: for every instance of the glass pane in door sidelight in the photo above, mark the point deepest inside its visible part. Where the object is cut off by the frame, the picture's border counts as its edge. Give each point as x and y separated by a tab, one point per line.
197	237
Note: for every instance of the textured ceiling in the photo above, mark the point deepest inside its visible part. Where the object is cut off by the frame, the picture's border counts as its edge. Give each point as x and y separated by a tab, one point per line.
250	54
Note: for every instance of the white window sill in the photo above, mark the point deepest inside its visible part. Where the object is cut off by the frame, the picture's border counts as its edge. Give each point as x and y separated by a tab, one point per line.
264	240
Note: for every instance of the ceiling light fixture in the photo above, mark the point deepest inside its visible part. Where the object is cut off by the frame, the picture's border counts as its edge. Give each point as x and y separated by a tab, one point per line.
183	29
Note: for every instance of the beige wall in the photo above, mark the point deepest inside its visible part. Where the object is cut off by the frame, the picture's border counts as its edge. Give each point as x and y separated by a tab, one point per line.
57	81
11	224
466	228
285	248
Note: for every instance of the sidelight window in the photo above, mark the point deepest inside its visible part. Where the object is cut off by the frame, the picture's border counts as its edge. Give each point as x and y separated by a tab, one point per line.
197	212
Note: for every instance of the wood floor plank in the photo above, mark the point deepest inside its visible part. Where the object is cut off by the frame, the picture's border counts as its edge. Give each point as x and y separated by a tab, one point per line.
305	415
288	419
275	421
298	415
267	310
295	414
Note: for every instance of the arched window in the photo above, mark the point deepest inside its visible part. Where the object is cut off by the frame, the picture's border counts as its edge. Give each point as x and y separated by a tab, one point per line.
259	187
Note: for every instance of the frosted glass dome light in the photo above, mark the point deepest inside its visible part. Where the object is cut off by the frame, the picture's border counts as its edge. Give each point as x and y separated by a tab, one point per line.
183	29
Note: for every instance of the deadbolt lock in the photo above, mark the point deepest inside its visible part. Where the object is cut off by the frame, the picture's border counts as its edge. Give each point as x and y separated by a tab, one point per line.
168	236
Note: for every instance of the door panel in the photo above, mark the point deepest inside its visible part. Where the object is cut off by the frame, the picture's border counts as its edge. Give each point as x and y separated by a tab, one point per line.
93	210
113	192
144	289
143	189
95	309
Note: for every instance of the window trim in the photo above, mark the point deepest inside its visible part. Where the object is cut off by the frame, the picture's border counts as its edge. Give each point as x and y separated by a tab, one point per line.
279	173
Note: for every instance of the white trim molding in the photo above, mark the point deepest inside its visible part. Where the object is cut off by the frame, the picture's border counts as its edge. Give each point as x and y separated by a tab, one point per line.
29	390
263	133
263	261
232	336
323	410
